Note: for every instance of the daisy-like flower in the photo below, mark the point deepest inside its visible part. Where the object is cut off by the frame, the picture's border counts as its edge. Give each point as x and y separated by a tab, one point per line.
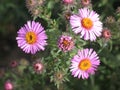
32	37
84	63
65	43
87	24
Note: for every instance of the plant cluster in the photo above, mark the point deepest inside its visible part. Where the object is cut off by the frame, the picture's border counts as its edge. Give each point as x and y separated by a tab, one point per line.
69	43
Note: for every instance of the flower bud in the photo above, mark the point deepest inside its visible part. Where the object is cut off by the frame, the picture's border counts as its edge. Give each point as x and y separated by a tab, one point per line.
31	4
8	85
13	63
67	15
38	66
110	20
106	34
85	2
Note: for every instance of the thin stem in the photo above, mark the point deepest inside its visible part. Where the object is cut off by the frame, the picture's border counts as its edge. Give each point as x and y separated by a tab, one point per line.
101	49
92	82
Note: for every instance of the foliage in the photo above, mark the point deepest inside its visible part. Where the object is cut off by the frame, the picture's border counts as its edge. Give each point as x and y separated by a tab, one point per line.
56	74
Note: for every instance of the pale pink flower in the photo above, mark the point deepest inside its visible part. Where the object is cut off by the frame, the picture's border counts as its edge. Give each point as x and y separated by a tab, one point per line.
87	24
84	63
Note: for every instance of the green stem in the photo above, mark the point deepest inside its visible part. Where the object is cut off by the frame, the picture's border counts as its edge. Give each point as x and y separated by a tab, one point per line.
101	49
92	82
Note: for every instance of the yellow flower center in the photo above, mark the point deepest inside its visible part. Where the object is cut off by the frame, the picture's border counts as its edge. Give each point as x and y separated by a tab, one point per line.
31	37
65	42
85	64
87	23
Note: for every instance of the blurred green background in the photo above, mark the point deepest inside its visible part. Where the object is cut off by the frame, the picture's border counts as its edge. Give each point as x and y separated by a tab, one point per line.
13	14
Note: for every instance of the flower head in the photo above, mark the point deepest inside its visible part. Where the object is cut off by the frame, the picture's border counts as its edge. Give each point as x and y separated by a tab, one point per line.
67	15
13	63
59	77
24	62
87	24
38	66
110	20
35	12
106	34
85	2
31	4
65	43
84	63
8	85
118	10
32	37
40	2
34	6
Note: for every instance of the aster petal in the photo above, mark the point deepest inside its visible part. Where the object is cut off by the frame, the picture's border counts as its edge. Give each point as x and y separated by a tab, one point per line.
42	35
93	55
39	28
80	74
86	53
29	24
85	75
76	73
86	36
33	24
83	12
82	33
90	52
96	63
76	58
91	70
94	16
75	22
92	36
80	53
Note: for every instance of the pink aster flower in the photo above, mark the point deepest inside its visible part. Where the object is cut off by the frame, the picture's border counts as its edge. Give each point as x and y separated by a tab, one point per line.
31	37
65	43
8	85
87	24
84	63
